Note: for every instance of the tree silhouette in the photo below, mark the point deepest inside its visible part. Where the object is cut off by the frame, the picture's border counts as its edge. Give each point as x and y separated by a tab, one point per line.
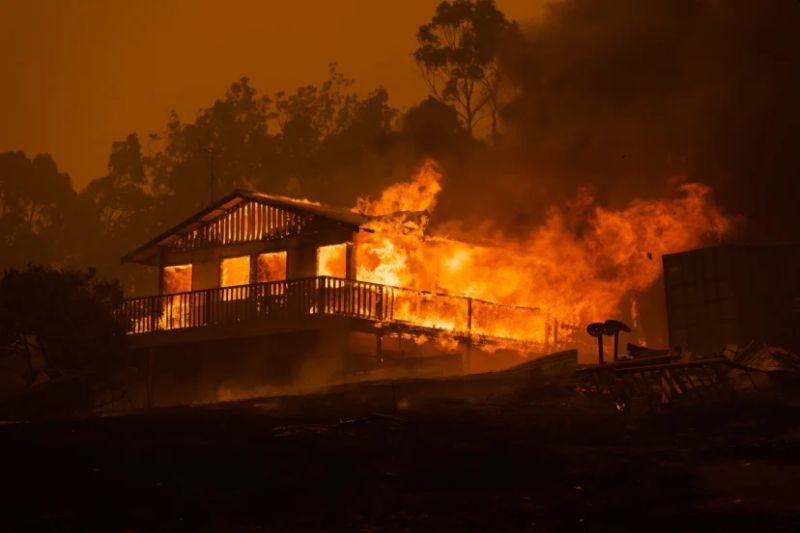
433	128
324	127
457	55
69	312
121	195
294	143
35	199
235	128
114	213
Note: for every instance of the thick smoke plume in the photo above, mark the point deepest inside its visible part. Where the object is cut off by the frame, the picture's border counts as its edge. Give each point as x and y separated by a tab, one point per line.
631	98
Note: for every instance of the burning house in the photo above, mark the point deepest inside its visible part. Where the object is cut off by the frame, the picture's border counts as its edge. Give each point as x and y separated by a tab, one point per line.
271	284
281	285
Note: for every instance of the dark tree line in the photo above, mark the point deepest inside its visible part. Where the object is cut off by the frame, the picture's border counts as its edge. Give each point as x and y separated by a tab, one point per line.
624	98
32	303
321	141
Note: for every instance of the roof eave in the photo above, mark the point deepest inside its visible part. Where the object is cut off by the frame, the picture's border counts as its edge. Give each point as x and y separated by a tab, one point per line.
219	208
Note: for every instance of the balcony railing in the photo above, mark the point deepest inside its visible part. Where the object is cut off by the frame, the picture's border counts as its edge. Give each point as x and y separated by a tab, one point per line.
297	298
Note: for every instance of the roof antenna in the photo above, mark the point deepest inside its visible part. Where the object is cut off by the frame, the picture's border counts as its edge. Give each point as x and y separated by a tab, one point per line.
210	151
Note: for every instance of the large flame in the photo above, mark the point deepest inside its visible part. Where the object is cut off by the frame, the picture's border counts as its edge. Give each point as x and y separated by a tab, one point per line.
578	266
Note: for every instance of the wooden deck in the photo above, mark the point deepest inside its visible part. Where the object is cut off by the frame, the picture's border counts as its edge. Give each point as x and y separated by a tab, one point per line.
298	304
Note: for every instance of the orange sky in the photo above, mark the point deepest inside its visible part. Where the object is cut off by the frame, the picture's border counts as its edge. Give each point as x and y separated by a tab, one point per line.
79	74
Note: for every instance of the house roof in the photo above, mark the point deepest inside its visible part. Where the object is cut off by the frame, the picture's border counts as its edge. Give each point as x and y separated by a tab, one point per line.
224	205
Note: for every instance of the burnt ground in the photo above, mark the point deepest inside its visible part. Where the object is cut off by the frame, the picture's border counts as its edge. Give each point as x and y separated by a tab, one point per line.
540	459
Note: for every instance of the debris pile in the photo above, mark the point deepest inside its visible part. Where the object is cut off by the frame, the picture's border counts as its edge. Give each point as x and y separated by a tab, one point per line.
761	356
659	380
651	378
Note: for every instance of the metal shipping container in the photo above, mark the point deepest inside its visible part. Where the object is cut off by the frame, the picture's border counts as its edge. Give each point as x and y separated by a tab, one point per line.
732	294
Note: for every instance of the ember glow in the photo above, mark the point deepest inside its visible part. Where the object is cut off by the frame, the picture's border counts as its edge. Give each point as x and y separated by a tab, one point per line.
235	271
331	260
271	267
578	266
177	278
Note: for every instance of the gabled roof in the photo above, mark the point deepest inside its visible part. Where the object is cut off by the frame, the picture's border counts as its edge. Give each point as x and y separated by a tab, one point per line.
226	204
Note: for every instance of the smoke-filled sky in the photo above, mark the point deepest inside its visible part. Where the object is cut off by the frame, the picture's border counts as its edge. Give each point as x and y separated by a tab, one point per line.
79	74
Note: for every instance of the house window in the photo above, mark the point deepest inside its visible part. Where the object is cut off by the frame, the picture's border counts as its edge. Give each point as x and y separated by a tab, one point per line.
176	278
271	267
235	271
332	260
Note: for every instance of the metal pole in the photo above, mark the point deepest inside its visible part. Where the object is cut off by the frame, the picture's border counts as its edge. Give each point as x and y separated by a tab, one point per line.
600	349
211	173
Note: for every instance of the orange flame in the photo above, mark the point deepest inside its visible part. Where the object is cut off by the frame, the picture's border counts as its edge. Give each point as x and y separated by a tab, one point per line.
578	266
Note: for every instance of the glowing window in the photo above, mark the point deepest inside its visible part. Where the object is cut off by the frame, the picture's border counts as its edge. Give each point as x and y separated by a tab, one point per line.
176	278
235	271
332	260
271	267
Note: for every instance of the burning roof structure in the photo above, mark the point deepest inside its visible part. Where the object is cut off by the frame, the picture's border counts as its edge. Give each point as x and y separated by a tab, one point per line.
243	216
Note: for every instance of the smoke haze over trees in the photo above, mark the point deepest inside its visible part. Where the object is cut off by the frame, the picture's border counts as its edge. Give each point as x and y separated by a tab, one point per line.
630	96
626	98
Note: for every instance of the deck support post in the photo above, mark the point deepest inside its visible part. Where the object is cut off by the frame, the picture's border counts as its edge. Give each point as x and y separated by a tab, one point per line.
334	348
150	386
467	364
379	346
555	335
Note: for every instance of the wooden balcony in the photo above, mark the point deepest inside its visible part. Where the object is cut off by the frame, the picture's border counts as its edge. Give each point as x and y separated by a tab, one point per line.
367	306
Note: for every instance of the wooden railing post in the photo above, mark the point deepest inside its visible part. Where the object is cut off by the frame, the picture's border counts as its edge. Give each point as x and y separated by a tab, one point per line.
320	295
154	305
321	300
349	298
379	304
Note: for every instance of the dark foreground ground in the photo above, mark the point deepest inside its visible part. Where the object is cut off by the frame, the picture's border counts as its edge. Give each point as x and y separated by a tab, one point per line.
539	459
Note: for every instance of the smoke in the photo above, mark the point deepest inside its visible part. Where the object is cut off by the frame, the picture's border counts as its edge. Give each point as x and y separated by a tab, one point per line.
633	98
